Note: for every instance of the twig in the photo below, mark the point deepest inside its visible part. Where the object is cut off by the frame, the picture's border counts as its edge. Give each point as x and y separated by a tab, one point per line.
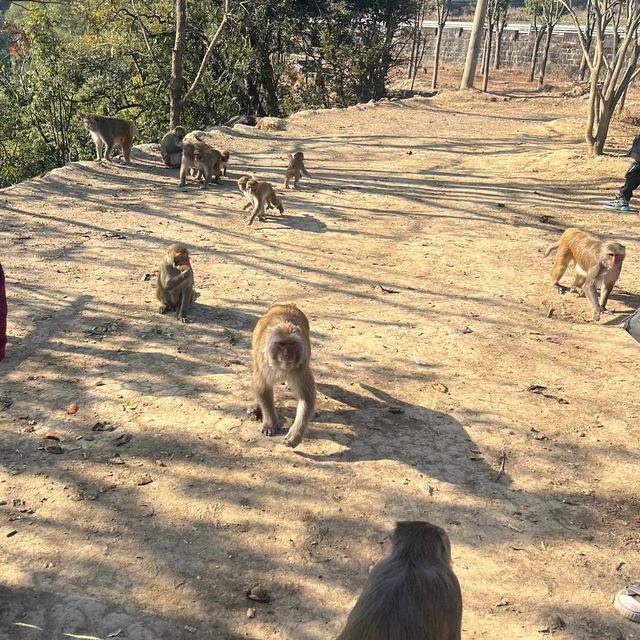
388	290
503	461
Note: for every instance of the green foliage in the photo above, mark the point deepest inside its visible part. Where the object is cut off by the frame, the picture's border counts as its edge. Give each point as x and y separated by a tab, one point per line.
549	11
114	58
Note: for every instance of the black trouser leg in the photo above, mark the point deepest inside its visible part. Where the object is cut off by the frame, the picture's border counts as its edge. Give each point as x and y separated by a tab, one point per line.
631	180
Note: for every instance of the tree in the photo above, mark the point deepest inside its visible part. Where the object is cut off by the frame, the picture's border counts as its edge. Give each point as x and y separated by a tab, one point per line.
418	40
588	37
539	32
496	12
502	23
359	41
611	70
175	81
550	12
442	8
473	49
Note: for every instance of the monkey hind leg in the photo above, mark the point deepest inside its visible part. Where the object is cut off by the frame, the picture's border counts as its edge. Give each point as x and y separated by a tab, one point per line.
578	281
126	152
563	258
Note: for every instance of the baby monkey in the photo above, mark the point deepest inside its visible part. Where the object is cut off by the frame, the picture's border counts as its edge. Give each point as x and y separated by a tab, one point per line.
295	168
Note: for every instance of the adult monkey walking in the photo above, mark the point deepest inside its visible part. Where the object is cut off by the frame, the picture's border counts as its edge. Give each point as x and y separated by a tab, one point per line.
598	264
112	132
281	350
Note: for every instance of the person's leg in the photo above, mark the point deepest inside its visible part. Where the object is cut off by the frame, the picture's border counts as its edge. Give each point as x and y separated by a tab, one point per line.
631	183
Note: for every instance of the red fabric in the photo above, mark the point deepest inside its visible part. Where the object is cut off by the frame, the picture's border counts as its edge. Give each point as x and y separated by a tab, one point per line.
3	316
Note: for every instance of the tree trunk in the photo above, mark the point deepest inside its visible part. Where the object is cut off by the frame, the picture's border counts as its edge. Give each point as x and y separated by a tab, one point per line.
487	62
175	83
474	44
414	37
436	57
603	127
484	54
496	60
545	55
534	53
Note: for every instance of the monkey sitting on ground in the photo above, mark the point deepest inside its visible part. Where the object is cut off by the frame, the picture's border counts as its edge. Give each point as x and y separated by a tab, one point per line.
411	595
598	263
112	132
171	147
295	168
281	350
174	288
259	194
203	158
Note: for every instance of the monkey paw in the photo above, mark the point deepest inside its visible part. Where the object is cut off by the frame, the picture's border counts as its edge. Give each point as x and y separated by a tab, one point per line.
269	429
162	309
183	319
255	413
292	441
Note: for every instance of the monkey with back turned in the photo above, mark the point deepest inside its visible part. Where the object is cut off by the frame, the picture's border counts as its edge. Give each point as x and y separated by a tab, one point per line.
413	594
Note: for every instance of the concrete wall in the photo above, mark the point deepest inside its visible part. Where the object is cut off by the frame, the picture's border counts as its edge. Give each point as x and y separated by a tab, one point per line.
517	46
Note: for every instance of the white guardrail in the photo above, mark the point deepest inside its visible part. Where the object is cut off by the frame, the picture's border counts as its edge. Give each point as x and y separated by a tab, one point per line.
522	27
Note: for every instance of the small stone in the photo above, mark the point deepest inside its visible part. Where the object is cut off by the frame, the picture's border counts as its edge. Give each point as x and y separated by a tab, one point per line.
251	613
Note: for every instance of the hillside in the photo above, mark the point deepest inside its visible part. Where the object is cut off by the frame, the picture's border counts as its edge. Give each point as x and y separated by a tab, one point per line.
415	251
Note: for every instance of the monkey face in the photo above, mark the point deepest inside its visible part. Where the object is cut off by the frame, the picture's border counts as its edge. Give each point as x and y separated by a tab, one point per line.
286	351
181	259
180	132
614	254
89	123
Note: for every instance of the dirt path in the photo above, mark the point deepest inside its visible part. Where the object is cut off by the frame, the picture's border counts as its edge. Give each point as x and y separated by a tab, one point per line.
414	251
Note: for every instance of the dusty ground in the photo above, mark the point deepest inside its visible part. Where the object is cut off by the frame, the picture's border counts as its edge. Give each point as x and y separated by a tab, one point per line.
418	237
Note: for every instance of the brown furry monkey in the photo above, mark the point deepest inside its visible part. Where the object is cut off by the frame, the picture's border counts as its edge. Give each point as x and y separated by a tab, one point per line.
295	168
598	264
260	194
281	350
203	158
174	288
224	155
411	595
171	147
112	132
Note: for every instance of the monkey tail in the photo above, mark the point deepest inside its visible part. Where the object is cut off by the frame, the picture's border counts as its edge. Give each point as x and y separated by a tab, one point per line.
138	135
551	249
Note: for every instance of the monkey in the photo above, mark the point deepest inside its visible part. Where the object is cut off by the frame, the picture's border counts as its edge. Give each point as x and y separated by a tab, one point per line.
203	158
281	350
112	132
224	155
597	263
413	594
295	168
174	288
171	147
260	193
242	185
